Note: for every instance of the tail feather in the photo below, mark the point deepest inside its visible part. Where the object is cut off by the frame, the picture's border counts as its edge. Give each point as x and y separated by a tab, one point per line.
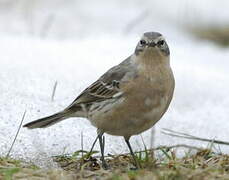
47	121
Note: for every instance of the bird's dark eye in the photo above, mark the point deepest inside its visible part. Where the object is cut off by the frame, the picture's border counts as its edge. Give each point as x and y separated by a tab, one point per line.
142	42
161	43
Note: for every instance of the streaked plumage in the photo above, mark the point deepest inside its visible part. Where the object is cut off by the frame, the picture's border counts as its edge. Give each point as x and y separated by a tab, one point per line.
130	97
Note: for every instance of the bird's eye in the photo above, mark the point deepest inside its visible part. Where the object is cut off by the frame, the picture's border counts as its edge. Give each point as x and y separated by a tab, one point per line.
161	43
142	42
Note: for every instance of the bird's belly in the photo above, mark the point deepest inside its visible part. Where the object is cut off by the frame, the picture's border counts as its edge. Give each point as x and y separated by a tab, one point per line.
124	118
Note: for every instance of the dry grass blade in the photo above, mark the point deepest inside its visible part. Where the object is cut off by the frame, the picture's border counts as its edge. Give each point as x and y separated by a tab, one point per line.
23	117
54	90
178	146
188	136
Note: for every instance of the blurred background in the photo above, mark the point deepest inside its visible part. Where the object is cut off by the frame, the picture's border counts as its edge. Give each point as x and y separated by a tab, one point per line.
71	43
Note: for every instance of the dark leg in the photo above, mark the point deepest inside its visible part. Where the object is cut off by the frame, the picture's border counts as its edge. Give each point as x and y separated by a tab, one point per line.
93	145
102	145
132	153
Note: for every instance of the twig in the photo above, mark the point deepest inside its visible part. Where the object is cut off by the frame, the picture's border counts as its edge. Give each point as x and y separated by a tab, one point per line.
23	117
54	90
188	136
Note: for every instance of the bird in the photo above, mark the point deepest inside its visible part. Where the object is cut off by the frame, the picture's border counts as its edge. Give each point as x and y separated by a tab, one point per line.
129	98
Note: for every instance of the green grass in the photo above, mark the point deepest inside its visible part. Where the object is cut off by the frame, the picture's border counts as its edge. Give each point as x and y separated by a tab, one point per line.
7	173
8	167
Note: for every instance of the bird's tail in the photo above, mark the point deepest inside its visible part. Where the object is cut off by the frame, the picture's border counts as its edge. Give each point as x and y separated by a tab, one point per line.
48	121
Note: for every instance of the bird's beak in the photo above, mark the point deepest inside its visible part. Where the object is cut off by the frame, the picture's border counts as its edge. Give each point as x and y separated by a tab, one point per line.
152	44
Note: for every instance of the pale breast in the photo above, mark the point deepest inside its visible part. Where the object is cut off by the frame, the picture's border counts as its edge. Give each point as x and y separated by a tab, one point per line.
143	103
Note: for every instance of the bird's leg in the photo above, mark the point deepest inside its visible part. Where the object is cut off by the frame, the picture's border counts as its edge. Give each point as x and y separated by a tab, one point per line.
93	145
132	153
102	145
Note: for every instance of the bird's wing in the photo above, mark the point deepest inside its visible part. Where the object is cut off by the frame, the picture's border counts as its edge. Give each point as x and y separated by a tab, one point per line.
108	85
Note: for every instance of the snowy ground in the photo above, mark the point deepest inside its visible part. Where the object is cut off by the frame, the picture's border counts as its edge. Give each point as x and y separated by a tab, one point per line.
29	67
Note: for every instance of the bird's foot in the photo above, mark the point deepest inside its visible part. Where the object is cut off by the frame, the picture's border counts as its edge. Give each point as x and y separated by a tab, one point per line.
105	166
135	168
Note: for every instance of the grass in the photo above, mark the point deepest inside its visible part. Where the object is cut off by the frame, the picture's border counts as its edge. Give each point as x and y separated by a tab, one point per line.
8	168
165	165
203	164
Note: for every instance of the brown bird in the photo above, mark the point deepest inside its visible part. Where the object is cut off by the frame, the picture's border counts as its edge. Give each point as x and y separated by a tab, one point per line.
129	98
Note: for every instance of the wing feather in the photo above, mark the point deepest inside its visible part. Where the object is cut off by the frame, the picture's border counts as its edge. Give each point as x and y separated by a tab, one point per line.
108	85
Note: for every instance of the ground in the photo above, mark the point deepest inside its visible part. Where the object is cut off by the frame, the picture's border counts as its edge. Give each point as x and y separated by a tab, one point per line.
201	164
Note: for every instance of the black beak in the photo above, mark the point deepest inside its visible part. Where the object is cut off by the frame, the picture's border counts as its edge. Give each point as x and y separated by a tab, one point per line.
152	44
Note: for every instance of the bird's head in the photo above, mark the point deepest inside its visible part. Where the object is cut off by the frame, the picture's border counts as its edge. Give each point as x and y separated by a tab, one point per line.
152	44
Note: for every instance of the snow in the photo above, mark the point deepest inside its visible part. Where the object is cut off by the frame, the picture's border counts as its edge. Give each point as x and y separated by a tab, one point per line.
76	54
